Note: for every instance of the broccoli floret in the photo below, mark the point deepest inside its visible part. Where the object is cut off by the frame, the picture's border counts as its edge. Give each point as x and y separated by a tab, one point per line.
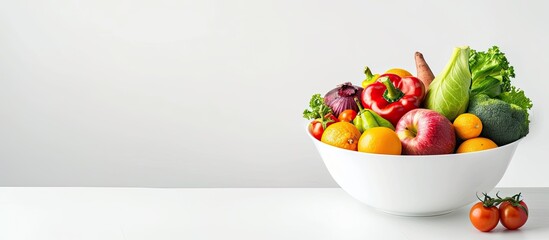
502	122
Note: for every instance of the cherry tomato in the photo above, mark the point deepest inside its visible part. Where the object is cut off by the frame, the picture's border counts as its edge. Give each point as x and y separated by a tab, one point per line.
513	217
316	129
484	218
347	115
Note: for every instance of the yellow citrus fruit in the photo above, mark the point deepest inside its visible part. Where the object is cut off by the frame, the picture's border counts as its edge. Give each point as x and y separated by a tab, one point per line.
380	140
476	144
342	135
400	72
467	126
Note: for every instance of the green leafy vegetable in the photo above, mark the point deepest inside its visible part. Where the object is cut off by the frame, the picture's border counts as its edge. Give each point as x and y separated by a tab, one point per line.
449	92
491	72
517	97
318	109
489	86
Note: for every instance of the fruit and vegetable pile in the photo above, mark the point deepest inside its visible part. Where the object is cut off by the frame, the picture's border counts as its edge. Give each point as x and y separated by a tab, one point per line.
471	105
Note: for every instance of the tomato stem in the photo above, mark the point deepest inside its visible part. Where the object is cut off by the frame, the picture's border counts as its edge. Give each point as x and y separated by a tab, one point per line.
488	201
513	200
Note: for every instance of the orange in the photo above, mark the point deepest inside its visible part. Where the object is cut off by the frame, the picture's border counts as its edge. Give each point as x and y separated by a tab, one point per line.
467	126
400	72
342	135
476	144
381	140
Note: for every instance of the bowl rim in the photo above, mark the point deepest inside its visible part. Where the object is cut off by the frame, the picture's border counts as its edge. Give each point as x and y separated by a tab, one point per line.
448	155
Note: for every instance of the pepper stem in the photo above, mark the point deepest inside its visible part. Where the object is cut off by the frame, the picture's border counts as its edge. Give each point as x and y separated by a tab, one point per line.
360	108
368	73
392	94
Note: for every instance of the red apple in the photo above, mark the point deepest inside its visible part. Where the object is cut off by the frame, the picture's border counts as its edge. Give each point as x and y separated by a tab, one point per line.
425	132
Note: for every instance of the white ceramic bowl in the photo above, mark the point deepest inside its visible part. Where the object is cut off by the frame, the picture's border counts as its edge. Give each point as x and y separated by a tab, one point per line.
424	185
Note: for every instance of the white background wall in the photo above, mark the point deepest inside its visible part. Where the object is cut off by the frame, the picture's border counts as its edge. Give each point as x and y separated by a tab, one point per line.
210	93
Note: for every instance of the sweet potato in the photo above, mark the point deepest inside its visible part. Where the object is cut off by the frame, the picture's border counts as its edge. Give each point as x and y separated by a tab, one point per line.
424	73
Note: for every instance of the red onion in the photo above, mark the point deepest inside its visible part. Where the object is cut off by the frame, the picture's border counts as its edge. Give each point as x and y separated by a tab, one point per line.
342	97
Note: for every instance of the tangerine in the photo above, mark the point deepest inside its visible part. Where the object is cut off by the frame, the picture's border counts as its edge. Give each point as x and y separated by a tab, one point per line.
380	140
342	135
467	126
476	144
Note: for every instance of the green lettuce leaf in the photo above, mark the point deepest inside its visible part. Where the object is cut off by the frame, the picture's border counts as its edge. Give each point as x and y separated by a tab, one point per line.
517	97
491	73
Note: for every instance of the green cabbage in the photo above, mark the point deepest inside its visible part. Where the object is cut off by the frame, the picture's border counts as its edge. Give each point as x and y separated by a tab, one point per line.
449	92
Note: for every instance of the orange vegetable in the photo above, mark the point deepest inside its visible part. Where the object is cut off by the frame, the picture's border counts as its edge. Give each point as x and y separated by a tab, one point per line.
424	73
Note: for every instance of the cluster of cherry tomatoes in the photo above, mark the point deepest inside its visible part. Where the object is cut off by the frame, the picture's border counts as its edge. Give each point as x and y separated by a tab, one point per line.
512	213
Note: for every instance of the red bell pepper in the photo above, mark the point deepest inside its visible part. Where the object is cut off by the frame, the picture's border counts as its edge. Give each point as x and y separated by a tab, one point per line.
392	96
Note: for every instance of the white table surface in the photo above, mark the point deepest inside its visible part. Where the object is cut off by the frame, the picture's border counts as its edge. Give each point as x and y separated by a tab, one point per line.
238	213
